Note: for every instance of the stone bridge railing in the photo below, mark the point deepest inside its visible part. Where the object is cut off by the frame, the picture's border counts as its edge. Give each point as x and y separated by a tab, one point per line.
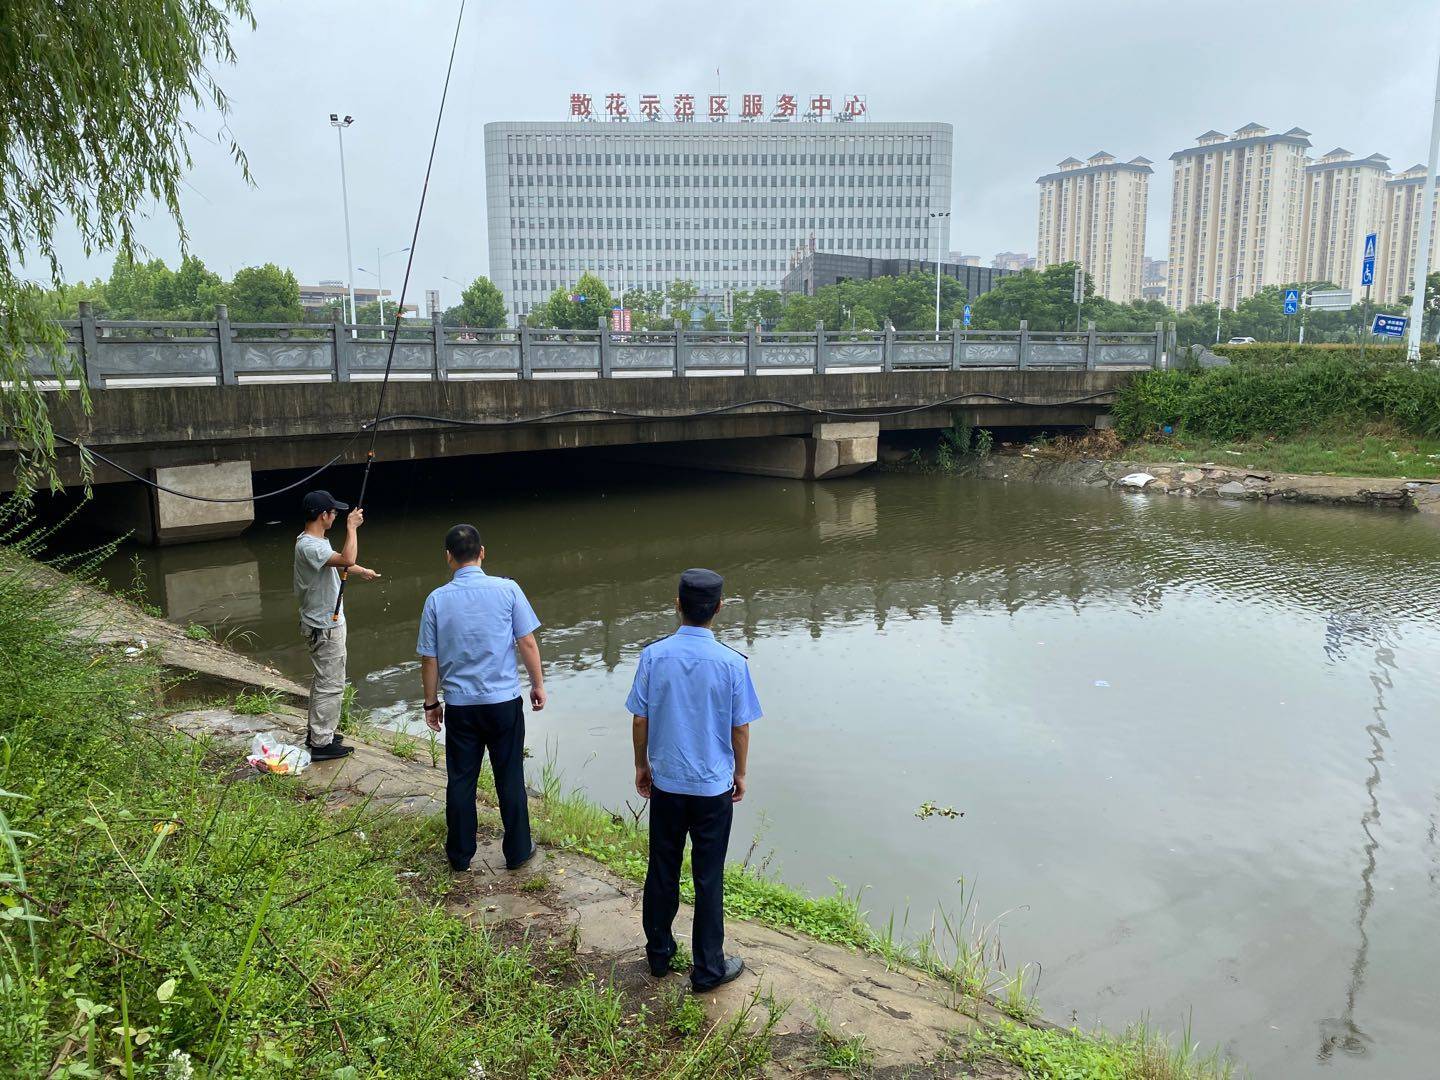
118	354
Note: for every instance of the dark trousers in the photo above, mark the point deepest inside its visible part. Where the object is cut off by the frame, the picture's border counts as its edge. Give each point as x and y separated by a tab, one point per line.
469	731
706	820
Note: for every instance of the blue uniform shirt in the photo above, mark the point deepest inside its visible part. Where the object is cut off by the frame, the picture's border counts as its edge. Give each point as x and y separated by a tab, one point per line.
470	626
693	690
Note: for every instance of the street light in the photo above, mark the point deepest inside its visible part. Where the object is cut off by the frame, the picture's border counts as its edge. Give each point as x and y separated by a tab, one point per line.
340	124
937	214
1219	292
379	287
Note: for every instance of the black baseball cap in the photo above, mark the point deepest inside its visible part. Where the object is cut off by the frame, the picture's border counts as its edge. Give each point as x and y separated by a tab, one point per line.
317	502
704	586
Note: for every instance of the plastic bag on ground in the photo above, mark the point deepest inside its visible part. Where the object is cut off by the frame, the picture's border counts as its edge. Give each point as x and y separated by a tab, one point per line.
269	754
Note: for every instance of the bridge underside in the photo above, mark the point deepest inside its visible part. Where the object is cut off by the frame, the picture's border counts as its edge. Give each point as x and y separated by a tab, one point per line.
209	439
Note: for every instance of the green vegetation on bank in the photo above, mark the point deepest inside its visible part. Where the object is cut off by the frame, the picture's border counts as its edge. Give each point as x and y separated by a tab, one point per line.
1302	396
1336	452
163	916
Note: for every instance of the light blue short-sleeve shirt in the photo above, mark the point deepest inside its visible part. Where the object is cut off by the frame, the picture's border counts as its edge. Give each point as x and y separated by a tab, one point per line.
693	690
470	625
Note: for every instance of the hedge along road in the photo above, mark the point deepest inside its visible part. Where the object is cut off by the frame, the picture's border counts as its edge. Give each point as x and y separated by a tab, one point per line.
1192	740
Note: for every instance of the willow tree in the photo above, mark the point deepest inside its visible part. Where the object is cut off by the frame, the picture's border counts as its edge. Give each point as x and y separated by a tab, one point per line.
94	95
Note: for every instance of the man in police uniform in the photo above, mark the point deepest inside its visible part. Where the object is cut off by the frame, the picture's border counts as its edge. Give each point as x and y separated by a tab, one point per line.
692	703
470	631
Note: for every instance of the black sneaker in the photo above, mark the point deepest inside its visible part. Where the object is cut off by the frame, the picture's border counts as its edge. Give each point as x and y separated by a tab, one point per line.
733	967
334	750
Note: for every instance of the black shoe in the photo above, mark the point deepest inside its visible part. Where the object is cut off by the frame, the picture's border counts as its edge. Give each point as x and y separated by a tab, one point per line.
460	869
659	968
733	967
330	752
516	866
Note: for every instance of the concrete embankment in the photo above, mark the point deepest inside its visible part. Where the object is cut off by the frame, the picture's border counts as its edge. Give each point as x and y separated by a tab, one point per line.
1212	481
912	1024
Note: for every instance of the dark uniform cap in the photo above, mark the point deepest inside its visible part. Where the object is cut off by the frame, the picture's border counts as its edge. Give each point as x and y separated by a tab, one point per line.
704	586
318	501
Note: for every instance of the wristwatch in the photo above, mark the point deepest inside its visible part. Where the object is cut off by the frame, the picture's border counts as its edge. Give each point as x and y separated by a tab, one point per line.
432	705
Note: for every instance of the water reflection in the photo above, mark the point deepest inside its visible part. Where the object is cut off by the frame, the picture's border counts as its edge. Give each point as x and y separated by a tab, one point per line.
1342	1033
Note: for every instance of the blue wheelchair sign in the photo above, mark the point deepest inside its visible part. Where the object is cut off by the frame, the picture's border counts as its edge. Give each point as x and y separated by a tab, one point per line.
1367	266
967	316
1292	301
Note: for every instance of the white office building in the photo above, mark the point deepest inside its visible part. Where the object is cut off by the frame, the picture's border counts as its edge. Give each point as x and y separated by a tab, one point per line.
725	205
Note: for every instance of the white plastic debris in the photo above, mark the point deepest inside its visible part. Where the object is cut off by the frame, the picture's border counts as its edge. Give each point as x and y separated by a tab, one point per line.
269	754
1135	479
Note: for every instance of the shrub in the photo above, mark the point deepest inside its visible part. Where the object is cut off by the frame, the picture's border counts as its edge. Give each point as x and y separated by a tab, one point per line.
1322	389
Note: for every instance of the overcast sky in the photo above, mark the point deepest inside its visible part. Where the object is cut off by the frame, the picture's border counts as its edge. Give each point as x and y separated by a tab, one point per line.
1024	82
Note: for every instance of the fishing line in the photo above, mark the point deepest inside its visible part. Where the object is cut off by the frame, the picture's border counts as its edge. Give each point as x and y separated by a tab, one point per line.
404	288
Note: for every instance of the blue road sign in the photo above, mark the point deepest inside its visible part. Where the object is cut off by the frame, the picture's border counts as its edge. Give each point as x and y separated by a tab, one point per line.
1367	267
1389	325
967	316
1292	301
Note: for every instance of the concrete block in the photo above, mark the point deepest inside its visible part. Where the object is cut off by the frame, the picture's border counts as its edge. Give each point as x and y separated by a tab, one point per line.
179	520
856	429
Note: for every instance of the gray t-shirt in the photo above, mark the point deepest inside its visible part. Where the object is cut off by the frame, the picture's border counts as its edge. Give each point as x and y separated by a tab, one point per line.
316	584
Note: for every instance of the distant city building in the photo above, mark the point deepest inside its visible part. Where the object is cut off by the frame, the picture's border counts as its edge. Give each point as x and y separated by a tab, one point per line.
1152	278
1236	210
315	297
821	268
962	260
721	204
1013	260
1344	200
1400	235
432	302
1093	213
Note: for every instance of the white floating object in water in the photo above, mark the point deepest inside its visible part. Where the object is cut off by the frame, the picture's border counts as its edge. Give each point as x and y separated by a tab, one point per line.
1102	683
1136	479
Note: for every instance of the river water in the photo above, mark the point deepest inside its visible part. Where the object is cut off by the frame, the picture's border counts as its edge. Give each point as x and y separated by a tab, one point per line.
1195	743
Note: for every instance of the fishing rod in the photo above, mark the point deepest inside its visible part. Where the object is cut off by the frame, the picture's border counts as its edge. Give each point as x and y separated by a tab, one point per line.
400	307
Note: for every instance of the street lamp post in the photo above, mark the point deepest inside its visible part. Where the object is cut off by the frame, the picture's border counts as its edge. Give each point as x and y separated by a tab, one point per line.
1427	207
340	124
937	215
1219	294
379	283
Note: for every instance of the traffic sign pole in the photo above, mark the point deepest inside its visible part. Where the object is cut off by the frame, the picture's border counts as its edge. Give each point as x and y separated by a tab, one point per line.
1367	278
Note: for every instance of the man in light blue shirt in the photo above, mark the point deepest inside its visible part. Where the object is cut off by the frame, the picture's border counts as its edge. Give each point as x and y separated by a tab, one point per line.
470	631
692	703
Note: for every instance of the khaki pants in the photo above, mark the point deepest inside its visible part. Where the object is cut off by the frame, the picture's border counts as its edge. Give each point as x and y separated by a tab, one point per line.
327	686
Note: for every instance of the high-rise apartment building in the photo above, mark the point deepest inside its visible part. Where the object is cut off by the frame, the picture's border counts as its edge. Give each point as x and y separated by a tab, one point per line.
1400	235
1344	201
1235	219
721	204
1093	213
1013	260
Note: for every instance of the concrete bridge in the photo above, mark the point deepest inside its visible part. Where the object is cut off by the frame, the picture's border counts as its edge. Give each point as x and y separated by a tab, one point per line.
199	407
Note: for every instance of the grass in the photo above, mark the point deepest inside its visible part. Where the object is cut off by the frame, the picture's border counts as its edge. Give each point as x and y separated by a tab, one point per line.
256	702
839	1053
1071	1054
1353	452
163	915
537	883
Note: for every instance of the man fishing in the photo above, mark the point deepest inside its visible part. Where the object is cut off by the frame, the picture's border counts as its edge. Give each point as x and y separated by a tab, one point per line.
692	703
322	617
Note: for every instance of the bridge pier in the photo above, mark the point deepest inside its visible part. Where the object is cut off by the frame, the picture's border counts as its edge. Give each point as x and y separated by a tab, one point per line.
160	518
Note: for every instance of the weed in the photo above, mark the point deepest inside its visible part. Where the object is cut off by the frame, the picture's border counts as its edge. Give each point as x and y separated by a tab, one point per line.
1048	1054
1014	1002
256	702
687	1015
536	883
838	1052
196	632
682	960
405	747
